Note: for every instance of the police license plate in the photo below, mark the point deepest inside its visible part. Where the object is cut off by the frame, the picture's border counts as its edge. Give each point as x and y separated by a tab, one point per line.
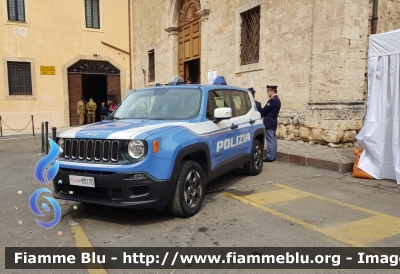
81	181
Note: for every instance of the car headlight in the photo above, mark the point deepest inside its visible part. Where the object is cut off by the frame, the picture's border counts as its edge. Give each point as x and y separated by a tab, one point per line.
61	145
136	149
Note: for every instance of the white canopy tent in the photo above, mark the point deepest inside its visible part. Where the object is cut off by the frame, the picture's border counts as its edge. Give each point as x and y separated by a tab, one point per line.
380	135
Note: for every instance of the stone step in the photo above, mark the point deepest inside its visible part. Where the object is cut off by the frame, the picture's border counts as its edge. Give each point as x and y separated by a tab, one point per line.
318	156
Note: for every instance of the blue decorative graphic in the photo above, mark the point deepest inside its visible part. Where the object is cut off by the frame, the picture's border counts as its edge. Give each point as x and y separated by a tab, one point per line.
47	160
35	209
49	165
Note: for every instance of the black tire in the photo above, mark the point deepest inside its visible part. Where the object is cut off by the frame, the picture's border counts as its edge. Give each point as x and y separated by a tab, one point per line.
189	192
254	165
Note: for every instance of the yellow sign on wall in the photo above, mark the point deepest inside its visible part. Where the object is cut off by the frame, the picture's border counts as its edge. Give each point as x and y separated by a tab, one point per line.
47	70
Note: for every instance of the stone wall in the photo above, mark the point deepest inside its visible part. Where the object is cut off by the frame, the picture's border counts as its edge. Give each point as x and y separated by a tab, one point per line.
388	15
315	51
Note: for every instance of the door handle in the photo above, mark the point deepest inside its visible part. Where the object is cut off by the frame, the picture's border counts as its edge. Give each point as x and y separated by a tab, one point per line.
252	121
234	126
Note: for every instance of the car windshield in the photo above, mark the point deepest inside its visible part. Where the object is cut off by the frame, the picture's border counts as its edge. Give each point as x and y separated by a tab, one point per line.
160	104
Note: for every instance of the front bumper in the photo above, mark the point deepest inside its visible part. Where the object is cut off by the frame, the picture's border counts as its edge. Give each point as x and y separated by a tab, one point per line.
115	189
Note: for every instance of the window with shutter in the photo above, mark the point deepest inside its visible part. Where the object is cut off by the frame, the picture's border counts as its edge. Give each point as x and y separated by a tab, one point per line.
19	78
152	71
16	10
92	12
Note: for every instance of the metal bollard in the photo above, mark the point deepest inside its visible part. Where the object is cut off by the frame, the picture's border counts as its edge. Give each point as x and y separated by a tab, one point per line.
1	128
42	152
47	136
54	131
33	126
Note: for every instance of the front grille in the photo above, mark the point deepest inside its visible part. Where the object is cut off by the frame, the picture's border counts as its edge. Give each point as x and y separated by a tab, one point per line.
92	150
88	192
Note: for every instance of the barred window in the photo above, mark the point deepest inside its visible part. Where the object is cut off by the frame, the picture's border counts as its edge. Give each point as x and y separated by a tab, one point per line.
16	10
250	36
152	70
92	11
19	78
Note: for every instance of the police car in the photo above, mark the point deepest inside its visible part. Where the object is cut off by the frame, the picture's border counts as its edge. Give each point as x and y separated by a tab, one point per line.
161	146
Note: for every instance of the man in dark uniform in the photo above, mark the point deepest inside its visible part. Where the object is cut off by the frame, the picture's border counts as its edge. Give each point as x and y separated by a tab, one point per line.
258	104
103	111
270	113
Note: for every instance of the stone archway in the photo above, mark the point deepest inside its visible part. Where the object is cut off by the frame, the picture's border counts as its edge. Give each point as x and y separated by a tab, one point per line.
72	72
189	40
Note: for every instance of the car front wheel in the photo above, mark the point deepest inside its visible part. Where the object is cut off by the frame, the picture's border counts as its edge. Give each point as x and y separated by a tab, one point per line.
189	190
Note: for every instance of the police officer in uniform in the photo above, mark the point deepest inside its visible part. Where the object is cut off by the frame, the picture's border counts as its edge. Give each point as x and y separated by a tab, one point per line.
258	104
91	114
270	113
81	111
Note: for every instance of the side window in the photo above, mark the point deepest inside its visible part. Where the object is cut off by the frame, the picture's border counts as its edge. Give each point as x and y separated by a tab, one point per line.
217	99
248	101
242	103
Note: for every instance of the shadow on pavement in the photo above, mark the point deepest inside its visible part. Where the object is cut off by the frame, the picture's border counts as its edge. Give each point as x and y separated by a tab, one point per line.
133	217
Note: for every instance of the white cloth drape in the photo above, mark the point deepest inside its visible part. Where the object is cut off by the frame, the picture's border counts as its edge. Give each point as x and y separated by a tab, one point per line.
380	134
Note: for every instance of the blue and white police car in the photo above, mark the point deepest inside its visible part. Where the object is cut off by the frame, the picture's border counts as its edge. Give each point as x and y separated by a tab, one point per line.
161	146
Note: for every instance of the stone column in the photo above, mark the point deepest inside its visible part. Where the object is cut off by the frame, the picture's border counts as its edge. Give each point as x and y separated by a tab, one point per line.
203	14
172	51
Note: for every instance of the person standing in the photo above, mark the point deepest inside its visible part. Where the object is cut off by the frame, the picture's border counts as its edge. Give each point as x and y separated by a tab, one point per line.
81	110
258	104
103	111
91	111
270	113
111	107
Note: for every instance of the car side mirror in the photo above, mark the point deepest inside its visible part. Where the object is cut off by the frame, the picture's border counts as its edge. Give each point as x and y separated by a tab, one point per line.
221	114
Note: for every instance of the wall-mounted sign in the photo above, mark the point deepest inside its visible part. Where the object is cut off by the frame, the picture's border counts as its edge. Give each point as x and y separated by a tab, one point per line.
47	70
211	77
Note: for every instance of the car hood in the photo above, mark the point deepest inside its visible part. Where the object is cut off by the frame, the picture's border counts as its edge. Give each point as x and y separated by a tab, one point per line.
122	130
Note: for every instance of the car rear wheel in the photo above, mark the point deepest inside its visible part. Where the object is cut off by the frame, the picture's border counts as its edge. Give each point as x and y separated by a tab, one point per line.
189	190
255	164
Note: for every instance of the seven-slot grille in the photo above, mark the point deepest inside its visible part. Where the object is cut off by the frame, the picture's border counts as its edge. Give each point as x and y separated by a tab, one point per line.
91	150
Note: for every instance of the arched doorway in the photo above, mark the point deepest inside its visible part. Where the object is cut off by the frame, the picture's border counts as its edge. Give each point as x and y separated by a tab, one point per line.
99	80
189	50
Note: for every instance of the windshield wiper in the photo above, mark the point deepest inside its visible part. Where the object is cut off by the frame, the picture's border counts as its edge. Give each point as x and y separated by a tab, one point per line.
114	118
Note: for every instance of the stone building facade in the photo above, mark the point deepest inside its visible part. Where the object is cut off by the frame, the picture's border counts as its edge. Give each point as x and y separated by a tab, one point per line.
315	51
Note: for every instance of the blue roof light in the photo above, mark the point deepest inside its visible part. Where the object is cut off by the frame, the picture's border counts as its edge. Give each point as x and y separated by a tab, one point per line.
176	80
220	80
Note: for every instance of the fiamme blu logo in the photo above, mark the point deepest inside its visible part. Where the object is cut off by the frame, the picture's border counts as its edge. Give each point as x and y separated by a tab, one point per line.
45	171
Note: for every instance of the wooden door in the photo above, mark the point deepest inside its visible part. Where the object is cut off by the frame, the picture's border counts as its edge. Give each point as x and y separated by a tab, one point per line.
188	34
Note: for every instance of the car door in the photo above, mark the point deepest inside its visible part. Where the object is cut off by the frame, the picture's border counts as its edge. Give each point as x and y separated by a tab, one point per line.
222	132
241	118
